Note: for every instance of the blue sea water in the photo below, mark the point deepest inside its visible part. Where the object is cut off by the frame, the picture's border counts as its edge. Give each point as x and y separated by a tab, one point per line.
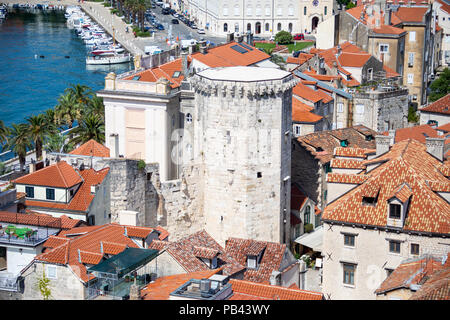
30	85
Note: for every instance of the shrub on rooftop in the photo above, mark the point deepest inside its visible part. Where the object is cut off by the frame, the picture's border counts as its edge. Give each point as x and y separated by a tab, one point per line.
141	165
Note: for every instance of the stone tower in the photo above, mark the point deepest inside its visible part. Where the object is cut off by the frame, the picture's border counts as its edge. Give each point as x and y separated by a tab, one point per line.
240	127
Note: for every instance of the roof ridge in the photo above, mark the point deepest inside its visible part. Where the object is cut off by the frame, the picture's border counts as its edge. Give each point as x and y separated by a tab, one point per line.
275	286
60	173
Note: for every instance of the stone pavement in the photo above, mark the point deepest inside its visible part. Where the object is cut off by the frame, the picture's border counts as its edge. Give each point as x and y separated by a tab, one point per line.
313	280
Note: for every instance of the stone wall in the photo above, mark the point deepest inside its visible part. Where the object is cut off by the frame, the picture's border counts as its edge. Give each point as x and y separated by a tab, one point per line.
372	257
351	29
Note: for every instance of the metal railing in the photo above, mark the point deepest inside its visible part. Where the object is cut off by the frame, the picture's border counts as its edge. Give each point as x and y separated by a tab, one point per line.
8	282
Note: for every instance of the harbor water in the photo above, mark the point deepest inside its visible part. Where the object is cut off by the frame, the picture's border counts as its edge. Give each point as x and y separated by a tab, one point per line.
39	58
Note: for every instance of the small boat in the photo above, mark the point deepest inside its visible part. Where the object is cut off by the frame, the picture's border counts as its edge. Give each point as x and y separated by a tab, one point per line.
113	59
107	51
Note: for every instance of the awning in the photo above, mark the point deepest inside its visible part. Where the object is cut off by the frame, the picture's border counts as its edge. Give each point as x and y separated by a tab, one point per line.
124	262
312	240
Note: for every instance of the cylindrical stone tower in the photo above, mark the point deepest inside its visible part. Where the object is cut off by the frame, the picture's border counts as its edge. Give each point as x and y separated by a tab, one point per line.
241	133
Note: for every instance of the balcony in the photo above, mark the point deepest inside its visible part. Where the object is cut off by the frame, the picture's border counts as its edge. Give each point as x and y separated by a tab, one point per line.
8	282
24	236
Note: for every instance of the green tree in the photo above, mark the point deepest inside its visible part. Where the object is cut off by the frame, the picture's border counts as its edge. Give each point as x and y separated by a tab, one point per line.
57	143
90	127
68	110
81	93
283	37
19	142
350	5
43	285
4	131
441	86
96	106
38	129
412	115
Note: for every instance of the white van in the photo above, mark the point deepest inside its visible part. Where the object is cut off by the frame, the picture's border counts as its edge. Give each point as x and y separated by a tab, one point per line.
186	43
152	50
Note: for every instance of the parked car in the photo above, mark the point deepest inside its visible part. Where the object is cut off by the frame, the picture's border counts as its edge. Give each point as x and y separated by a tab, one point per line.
175	21
299	36
160	27
194	26
165	11
201	31
295	54
272	38
258	38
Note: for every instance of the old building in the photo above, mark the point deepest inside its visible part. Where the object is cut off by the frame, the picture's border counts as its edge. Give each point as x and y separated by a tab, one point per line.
390	207
424	277
312	153
437	112
67	257
441	14
61	189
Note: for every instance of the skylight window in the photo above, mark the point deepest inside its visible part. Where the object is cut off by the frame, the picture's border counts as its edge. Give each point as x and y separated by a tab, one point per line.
239	49
176	74
136	78
246	46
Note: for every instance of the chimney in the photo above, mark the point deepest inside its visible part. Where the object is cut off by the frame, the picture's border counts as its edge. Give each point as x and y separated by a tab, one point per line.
249	38
436	147
275	278
240	38
302	274
32	167
387	17
230	37
93	189
191	49
203	48
184	63
382	144
114	145
128	218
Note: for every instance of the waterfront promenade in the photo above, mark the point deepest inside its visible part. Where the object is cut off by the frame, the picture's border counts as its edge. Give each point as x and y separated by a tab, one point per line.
103	17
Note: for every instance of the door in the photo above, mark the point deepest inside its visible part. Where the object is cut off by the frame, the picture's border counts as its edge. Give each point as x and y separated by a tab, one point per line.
135	133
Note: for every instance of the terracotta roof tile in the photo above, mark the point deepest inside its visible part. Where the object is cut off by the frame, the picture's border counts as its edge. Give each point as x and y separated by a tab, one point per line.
354	60
58	175
138	232
437	287
346	164
419	133
87	257
440	106
89	242
410	14
301	112
246	290
38	219
444	128
83	197
408	163
162	287
92	148
206	253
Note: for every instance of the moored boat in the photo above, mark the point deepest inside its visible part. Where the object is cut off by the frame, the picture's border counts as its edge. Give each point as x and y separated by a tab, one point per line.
111	59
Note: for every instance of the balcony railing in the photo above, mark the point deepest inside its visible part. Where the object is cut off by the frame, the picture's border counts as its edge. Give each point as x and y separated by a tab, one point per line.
8	282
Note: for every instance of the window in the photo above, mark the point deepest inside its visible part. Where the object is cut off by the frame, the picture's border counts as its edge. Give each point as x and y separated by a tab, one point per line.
389	272
249	27
51	272
251	262
30	192
259	174
394	246
304	11
279	27
267	27
349	240
280	11
360	109
290	27
91	220
414	248
370	74
236	27
176	74
369	201
412	36
410	78
50	194
308	215
340	107
189	118
258	10
249	10
349	273
236	11
410	59
325	10
394	211
267	11
291	10
297	130
225	10
384	48
225	27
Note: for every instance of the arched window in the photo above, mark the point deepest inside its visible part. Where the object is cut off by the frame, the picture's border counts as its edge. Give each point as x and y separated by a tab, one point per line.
236	27
308	215
225	27
325	10
290	27
249	27
304	11
189	118
279	27
258	27
267	27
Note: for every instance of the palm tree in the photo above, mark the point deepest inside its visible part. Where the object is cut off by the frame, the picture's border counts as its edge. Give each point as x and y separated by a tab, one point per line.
90	127
68	109
19	142
38	129
3	133
96	106
56	143
81	93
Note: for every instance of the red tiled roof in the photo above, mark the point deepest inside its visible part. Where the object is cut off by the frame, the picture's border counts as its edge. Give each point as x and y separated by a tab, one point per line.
411	14
271	259
246	290
385	29
419	133
112	236
92	148
330	139
409	273
407	162
389	72
437	287
346	164
38	219
444	6
138	232
183	251
206	253
440	106
305	92
164	234
354	60
445	128
220	56
83	197
58	175
162	287
301	112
